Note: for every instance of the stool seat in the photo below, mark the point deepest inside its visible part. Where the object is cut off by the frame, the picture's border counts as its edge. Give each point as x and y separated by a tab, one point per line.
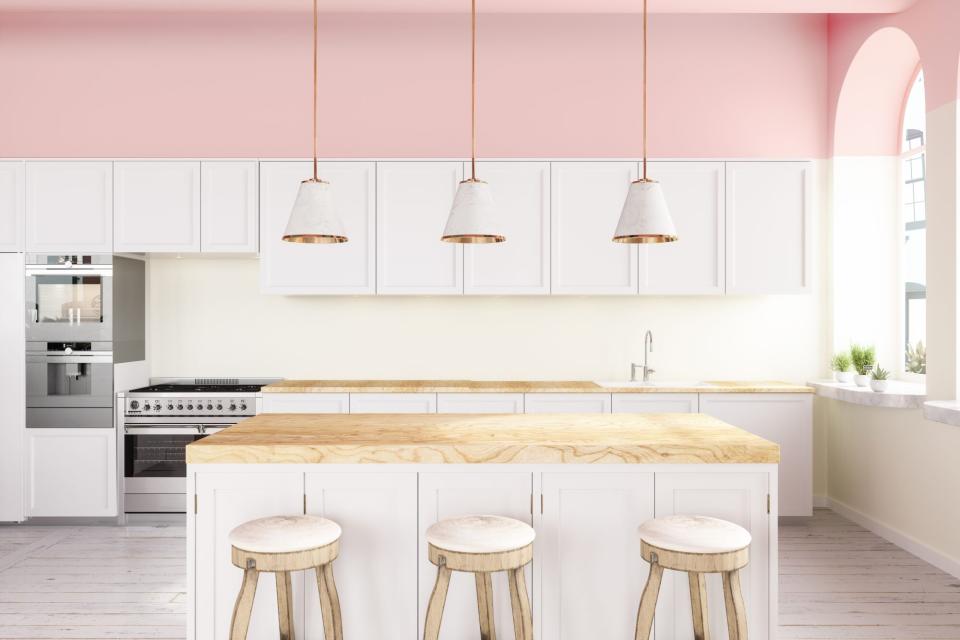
480	534
284	534
694	534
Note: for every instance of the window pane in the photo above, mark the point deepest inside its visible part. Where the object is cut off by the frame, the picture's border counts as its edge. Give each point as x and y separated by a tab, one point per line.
915	117
914	256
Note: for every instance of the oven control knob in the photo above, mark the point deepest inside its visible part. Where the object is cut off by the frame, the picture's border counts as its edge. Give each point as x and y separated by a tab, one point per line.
180	407
233	407
209	407
146	407
170	406
243	406
157	406
134	405
219	407
189	407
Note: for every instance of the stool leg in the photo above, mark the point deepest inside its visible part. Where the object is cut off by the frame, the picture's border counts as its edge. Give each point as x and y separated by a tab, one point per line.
488	630
431	626
244	605
648	602
698	603
285	604
522	620
736	612
329	603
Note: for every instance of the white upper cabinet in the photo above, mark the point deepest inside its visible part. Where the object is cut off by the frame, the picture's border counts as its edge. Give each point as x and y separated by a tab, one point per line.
521	265
11	207
768	227
69	207
413	202
291	268
228	206
694	264
587	198
157	207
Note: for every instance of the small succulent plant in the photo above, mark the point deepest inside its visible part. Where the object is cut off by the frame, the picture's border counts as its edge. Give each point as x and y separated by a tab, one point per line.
841	362
880	374
863	358
917	358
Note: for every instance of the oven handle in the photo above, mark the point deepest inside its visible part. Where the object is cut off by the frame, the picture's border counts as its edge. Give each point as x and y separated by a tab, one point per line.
163	430
67	271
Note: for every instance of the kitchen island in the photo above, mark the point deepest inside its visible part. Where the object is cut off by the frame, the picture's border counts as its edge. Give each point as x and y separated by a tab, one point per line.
585	482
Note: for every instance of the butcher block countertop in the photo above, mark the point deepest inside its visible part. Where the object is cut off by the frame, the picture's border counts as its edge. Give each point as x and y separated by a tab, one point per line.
508	386
669	438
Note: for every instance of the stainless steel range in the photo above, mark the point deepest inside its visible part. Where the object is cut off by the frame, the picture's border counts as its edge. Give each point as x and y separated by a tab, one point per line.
159	421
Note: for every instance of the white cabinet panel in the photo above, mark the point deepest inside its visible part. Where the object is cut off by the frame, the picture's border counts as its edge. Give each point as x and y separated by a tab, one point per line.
393	403
12	387
768	227
586	200
12	233
784	418
655	403
71	472
694	264
69	207
413	202
224	501
737	497
450	494
376	572
228	206
291	268
591	589
566	403
521	264
479	403
157	206
306	403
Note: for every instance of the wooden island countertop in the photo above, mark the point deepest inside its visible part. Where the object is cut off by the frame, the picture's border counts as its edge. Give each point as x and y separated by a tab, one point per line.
528	386
669	438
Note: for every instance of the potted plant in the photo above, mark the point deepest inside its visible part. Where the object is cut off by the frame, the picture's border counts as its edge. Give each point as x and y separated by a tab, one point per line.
840	364
863	359
878	381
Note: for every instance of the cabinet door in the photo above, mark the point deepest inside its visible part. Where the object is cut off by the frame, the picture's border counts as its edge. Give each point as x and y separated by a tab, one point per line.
592	590
694	265
768	227
784	418
521	264
71	472
393	403
566	403
228	207
451	494
413	202
306	403
224	501
157	207
586	200
737	497
12	387
376	572
290	268
11	206
69	207
479	403
655	403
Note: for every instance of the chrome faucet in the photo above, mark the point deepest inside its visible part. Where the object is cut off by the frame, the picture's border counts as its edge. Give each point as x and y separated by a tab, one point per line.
647	350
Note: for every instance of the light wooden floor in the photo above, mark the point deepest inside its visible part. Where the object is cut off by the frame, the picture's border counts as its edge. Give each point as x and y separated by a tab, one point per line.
837	581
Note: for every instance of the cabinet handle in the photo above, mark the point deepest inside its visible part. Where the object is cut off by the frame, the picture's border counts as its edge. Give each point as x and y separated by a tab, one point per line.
541	504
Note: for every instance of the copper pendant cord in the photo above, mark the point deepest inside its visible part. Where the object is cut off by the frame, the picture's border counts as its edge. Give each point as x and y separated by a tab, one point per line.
644	90
316	177
473	89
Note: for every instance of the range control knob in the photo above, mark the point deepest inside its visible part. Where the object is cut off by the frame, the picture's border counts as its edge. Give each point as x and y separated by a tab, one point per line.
146	407
233	407
157	406
189	407
180	407
209	407
243	406
219	407
134	405
169	406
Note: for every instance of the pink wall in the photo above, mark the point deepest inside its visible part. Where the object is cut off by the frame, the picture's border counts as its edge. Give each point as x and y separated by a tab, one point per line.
156	85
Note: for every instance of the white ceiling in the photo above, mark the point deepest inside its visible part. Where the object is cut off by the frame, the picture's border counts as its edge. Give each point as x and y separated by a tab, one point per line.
454	6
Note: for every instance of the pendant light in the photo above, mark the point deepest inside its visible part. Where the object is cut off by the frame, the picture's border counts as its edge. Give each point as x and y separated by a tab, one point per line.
473	215
314	218
645	218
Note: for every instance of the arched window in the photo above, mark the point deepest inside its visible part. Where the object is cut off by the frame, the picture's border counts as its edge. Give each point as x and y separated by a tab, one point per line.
914	257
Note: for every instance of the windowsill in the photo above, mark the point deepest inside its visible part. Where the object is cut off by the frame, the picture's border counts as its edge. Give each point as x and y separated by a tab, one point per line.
899	394
945	411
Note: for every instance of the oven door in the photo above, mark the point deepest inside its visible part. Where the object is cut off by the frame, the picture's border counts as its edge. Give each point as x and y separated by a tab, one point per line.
69	304
153	453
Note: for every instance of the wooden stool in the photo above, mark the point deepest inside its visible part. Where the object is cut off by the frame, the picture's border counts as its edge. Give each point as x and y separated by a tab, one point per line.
281	544
481	545
697	545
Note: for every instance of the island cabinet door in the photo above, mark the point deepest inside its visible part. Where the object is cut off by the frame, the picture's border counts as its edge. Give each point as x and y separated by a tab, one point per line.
736	497
451	494
223	501
655	403
376	572
592	574
306	403
566	403
479	403
393	403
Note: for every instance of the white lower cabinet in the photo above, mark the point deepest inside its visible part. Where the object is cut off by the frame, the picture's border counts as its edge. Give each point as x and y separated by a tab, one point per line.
306	403
567	403
479	403
655	403
450	494
592	573
393	403
737	497
71	473
376	573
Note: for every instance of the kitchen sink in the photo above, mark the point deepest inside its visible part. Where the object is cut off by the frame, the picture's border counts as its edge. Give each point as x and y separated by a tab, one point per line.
653	384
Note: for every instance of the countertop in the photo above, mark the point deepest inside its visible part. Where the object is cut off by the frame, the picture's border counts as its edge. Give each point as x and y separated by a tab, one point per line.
516	386
669	438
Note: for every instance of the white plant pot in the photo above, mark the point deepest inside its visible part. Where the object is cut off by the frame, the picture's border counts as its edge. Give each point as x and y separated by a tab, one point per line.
843	377
879	385
862	381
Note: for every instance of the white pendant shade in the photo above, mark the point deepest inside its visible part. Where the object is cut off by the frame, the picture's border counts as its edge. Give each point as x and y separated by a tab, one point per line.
314	217
473	217
645	217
